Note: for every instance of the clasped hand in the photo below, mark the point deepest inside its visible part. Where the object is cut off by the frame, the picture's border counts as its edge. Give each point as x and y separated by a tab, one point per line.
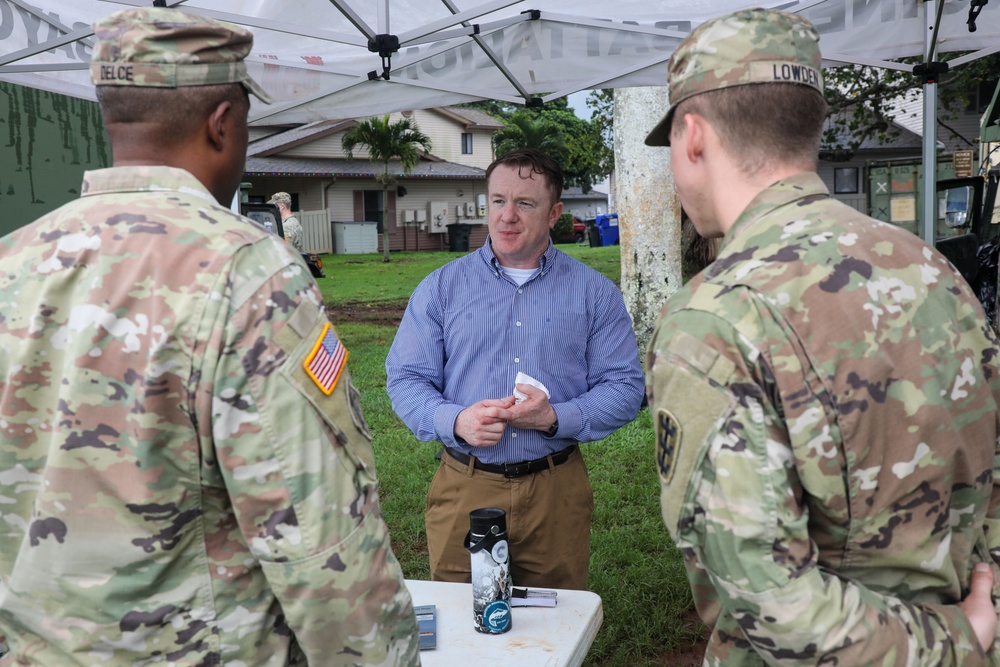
482	424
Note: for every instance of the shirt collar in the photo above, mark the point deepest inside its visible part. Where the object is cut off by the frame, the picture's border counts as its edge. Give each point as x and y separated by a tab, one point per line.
150	178
805	184
544	262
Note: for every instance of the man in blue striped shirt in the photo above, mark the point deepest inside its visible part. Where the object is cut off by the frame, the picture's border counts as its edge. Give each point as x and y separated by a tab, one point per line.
515	305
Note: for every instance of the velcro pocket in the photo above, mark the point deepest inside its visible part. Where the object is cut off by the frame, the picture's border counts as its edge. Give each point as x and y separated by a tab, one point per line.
328	387
686	413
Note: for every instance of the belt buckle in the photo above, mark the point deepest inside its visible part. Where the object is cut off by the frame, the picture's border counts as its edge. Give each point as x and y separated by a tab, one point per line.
516	469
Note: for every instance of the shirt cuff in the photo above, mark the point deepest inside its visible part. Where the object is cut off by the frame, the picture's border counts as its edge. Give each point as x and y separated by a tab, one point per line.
444	423
570	421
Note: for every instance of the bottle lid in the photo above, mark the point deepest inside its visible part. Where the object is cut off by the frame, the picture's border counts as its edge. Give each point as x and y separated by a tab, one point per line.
483	519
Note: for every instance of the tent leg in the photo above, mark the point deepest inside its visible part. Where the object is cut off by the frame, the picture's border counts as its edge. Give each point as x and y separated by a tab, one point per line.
930	70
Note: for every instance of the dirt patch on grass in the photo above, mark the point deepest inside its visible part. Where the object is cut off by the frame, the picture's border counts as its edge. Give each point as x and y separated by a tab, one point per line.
693	655
387	314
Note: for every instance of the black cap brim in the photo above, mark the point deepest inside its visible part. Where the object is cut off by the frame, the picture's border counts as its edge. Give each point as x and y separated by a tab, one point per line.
660	135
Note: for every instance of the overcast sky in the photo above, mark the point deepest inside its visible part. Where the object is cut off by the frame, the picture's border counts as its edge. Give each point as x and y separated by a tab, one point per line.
578	103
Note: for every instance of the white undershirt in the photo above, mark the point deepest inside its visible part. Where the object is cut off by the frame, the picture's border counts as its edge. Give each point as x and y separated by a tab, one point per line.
519	276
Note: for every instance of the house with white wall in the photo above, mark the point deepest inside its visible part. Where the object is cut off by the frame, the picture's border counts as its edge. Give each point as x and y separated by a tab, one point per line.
447	186
586	205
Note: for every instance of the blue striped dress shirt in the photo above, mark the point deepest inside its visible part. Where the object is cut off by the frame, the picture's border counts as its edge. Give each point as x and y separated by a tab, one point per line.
468	330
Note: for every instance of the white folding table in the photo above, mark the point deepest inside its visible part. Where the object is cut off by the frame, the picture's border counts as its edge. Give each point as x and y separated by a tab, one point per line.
557	636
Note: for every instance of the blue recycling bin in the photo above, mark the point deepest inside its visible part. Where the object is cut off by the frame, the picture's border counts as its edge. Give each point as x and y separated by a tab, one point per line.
607	225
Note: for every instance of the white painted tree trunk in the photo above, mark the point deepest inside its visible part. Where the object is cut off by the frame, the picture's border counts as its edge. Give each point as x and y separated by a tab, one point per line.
649	213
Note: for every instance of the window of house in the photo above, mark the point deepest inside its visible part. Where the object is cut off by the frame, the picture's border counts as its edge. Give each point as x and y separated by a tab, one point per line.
466	143
845	180
981	95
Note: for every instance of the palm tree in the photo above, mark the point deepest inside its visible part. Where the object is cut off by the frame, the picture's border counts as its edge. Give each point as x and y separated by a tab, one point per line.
526	130
387	141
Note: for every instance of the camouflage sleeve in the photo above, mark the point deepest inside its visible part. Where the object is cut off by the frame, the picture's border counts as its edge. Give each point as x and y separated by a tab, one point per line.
732	497
992	522
294	451
293	233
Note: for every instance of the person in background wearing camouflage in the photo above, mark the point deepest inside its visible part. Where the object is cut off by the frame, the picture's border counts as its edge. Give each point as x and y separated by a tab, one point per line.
186	477
291	225
824	395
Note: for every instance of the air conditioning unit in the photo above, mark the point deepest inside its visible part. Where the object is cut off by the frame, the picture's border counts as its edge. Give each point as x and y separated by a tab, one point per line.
437	217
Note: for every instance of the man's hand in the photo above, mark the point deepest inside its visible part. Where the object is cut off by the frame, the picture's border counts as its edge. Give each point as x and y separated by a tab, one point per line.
482	424
978	605
534	412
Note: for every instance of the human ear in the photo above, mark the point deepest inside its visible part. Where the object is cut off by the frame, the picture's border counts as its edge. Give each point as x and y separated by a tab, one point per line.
218	125
554	214
694	129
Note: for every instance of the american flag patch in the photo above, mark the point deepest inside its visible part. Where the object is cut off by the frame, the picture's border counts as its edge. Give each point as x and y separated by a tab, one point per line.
326	361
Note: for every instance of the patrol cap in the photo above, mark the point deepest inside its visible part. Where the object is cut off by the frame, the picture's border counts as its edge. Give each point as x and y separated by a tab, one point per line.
747	47
280	198
160	47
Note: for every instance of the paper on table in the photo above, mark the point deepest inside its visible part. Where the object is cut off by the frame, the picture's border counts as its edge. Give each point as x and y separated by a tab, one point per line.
523	378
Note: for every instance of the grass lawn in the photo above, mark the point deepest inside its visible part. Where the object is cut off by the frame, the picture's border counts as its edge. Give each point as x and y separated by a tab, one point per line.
634	566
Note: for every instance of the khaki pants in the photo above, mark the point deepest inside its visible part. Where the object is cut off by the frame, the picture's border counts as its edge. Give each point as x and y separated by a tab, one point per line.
548	521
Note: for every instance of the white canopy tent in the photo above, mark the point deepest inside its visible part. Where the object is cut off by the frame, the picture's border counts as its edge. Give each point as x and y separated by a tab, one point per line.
324	59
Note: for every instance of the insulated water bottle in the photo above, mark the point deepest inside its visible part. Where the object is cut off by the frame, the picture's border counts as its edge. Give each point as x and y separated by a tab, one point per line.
491	584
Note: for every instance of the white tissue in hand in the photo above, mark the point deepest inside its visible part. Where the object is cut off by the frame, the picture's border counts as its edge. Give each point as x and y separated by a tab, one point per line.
527	379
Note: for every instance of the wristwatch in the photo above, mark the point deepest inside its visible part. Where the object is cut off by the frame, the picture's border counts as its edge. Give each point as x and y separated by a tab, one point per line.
552	429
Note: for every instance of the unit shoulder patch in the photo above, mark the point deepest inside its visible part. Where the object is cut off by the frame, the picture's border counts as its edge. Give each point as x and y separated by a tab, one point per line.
668	443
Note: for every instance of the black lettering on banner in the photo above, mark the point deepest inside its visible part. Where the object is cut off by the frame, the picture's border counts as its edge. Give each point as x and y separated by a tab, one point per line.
6	21
441	63
633	42
32	26
524	44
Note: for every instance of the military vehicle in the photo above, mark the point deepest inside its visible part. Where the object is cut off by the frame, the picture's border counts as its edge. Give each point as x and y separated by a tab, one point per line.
269	218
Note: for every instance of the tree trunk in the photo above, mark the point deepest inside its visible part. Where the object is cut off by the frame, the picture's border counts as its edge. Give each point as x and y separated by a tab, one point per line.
385	224
648	209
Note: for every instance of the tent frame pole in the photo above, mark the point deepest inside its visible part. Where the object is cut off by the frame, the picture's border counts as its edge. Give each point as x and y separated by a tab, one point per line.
930	71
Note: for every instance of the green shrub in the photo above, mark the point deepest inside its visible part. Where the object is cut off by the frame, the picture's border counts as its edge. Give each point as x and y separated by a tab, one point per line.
563	227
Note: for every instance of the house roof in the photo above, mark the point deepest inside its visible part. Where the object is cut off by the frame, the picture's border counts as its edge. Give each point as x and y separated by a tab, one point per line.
908	111
906	138
473	117
577	193
302	166
303	134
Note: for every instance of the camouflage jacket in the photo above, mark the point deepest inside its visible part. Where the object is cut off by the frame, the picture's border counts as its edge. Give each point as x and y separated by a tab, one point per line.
293	232
175	487
825	404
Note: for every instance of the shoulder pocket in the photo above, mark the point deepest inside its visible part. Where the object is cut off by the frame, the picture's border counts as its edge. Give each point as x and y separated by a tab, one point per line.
317	368
687	410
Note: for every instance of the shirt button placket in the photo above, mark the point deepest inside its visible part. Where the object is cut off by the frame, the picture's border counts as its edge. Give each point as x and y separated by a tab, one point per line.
517	324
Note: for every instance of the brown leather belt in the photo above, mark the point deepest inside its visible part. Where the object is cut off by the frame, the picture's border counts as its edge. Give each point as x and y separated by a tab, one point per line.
511	470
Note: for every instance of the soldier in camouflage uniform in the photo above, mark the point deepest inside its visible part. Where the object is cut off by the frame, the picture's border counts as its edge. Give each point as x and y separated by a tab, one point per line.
824	394
186	477
291	224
